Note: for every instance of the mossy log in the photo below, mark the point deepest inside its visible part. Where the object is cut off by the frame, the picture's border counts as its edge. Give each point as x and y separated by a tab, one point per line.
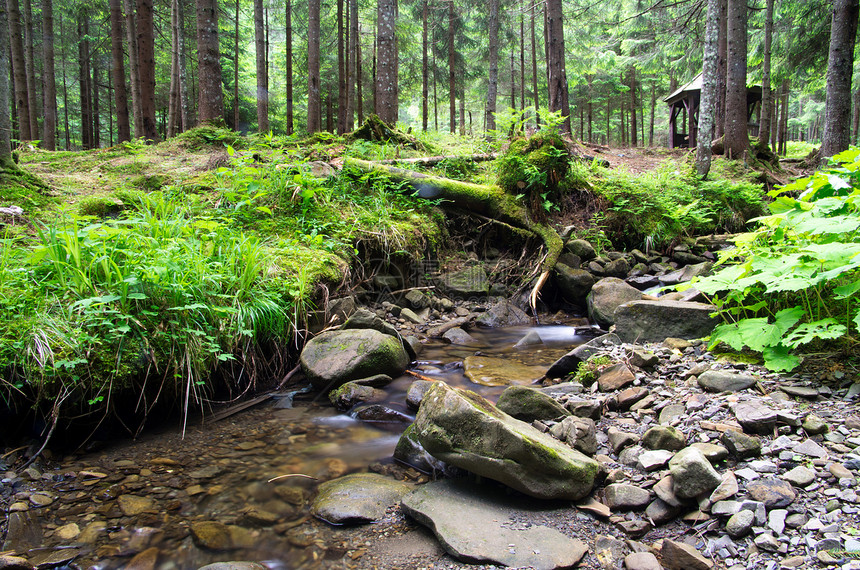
428	161
376	130
486	200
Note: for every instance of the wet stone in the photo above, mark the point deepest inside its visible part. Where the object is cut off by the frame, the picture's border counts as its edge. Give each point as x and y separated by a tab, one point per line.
661	512
692	474
14	563
641	561
212	535
357	498
133	505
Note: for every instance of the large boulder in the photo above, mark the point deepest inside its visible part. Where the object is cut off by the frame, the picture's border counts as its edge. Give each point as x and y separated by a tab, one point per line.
462	428
503	314
574	284
529	404
468	282
607	295
654	321
357	498
336	357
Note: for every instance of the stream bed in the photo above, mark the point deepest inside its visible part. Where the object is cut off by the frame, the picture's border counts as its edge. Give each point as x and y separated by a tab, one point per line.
240	488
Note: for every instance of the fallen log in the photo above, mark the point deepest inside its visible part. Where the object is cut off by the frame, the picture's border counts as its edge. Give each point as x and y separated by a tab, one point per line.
428	161
486	200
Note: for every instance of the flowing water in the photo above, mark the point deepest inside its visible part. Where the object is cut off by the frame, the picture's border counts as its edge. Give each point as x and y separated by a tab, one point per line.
254	473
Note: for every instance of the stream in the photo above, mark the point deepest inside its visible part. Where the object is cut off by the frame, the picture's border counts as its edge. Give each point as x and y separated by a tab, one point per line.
254	474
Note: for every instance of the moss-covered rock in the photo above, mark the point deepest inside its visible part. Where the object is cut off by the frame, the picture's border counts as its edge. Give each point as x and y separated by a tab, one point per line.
529	404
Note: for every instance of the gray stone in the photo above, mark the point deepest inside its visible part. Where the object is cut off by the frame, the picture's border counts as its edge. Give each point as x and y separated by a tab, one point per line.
741	445
725	508
776	520
692	474
457	335
813	425
570	361
641	561
529	404
618	439
630	456
581	248
800	476
333	358
656	459
465	283
713	452
366	319
620	497
740	524
412	316
357	498
681	556
574	284
579	433
661	512
615	377
410	452
417	299
725	381
810	448
617	268
416	393
531	339
665	490
671	412
773	492
23	531
503	314
463	429
644	359
767	542
728	488
664	437
654	321
233	565
755	417
800	391
352	393
454	509
584	408
606	296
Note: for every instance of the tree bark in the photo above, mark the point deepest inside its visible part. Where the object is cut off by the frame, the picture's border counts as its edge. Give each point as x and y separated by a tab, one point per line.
84	81
736	139
359	96
211	98
722	70
557	74
262	69
855	120
236	66
314	101
173	102
288	15
30	63
19	71
49	109
133	68
522	63
6	161
184	106
146	60
425	73
840	65
493	80
766	91
534	68
634	104
452	94
707	104
95	100
352	42
342	80
68	132
386	65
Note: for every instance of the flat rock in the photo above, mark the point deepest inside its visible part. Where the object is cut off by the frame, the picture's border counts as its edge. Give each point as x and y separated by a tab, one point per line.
653	321
492	371
503	314
810	448
530	404
570	361
620	497
681	556
335	357
473	524
615	377
133	505
457	335
14	563
655	459
800	476
800	391
728	488
725	381
741	445
755	417
773	492
641	561
357	498
237	565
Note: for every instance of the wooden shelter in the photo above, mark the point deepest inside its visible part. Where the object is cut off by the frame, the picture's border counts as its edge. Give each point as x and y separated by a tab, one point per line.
684	105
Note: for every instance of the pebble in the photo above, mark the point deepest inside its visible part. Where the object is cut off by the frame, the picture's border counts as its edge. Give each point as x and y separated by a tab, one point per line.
800	476
740	523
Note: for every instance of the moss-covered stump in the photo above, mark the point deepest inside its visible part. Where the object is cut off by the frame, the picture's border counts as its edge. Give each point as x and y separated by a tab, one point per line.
535	167
375	129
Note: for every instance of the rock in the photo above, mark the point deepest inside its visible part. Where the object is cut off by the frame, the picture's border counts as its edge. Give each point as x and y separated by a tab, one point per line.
800	391
375	381
641	561
503	314
652	321
416	393
665	490
725	381
234	566
607	295
466	283
579	433
615	377
585	408
68	532
410	452
618	439
469	520
357	498
417	299
652	460
740	524
620	497
644	359
609	551
132	505
800	476
412	316
741	445
713	452
692	474
212	535
146	560
813	425
626	398
671	412
463	429
776	520
617	268
840	471
457	335
570	361
681	556
493	371
755	417
810	448
335	357
661	512
581	248
728	488
14	563
351	393
773	492
529	404
630	455
531	338
574	284
380	414
767	542
664	437
364	318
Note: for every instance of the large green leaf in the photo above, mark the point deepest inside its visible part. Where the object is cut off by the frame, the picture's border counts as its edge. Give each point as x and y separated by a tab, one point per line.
825	329
779	359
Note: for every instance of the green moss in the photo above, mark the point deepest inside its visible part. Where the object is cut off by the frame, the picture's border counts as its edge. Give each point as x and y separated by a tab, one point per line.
99	206
150	182
587	372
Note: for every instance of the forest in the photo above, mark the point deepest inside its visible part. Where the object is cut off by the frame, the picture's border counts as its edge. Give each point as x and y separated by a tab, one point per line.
91	74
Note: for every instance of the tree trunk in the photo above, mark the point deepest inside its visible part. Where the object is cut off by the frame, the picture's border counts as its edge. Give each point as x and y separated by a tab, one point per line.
351	63
513	83
262	69
493	84
722	70
425	74
557	74
840	65
65	84
766	91
653	108
95	99
236	66
709	90
288	16
19	71
84	77
173	101
117	72
341	71
783	123
522	63
6	161
462	110
435	96
386	65
634	104
184	106
736	139
211	99
133	68
855	120
534	68
30	63
146	61
314	101
359	95
49	109
452	94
